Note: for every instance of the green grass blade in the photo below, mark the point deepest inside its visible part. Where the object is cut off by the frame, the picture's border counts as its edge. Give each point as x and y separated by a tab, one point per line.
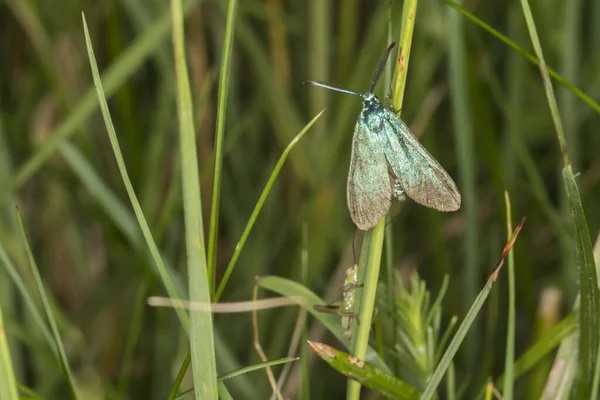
308	299
202	345
589	323
369	376
218	165
8	384
462	121
547	82
62	355
166	279
114	208
589	335
180	375
255	367
259	205
114	78
239	372
370	262
446	359
509	360
27	298
542	347
223	392
557	77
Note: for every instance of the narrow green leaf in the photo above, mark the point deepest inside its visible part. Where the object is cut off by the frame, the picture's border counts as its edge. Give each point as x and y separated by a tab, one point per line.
509	361
385	384
255	367
221	112
115	76
446	359
557	77
308	299
542	347
589	323
259	205
202	342
8	384
62	355
370	262
166	278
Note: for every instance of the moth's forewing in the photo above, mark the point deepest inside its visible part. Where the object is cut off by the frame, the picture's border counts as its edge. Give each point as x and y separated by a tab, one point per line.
421	177
369	190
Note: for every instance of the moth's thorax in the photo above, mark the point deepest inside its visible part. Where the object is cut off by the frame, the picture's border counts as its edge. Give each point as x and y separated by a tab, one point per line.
372	112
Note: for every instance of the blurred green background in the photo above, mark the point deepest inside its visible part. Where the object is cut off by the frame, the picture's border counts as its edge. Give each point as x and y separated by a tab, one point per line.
476	104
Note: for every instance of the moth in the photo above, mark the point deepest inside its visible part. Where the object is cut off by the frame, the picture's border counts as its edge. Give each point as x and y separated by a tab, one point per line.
388	162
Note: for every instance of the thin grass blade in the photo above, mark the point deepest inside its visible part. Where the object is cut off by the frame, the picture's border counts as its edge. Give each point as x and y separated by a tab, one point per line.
259	205
202	342
8	383
446	359
62	355
308	299
221	112
165	277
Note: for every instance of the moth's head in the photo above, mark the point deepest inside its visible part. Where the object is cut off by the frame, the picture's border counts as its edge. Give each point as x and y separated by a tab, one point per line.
370	101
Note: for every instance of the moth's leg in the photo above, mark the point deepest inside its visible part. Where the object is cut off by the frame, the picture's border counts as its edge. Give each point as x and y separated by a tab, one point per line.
351	286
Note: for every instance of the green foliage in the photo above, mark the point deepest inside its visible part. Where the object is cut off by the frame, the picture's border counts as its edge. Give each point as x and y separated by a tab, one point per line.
176	169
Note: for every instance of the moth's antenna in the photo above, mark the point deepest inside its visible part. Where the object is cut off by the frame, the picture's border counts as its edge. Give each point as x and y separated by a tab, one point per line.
333	87
381	66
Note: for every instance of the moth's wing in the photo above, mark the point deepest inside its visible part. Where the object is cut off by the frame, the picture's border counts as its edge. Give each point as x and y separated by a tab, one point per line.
421	177
369	189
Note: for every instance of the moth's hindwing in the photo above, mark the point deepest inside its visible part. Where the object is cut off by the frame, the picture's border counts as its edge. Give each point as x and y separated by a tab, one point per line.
421	177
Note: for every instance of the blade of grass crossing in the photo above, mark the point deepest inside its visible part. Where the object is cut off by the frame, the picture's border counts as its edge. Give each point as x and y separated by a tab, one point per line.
204	370
8	384
507	391
165	277
558	78
62	356
221	112
446	359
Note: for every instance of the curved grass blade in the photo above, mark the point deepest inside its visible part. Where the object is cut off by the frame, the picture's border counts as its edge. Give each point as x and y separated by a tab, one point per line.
307	299
124	67
543	347
589	326
218	161
558	78
166	278
241	371
8	384
385	384
446	359
259	205
589	323
62	355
